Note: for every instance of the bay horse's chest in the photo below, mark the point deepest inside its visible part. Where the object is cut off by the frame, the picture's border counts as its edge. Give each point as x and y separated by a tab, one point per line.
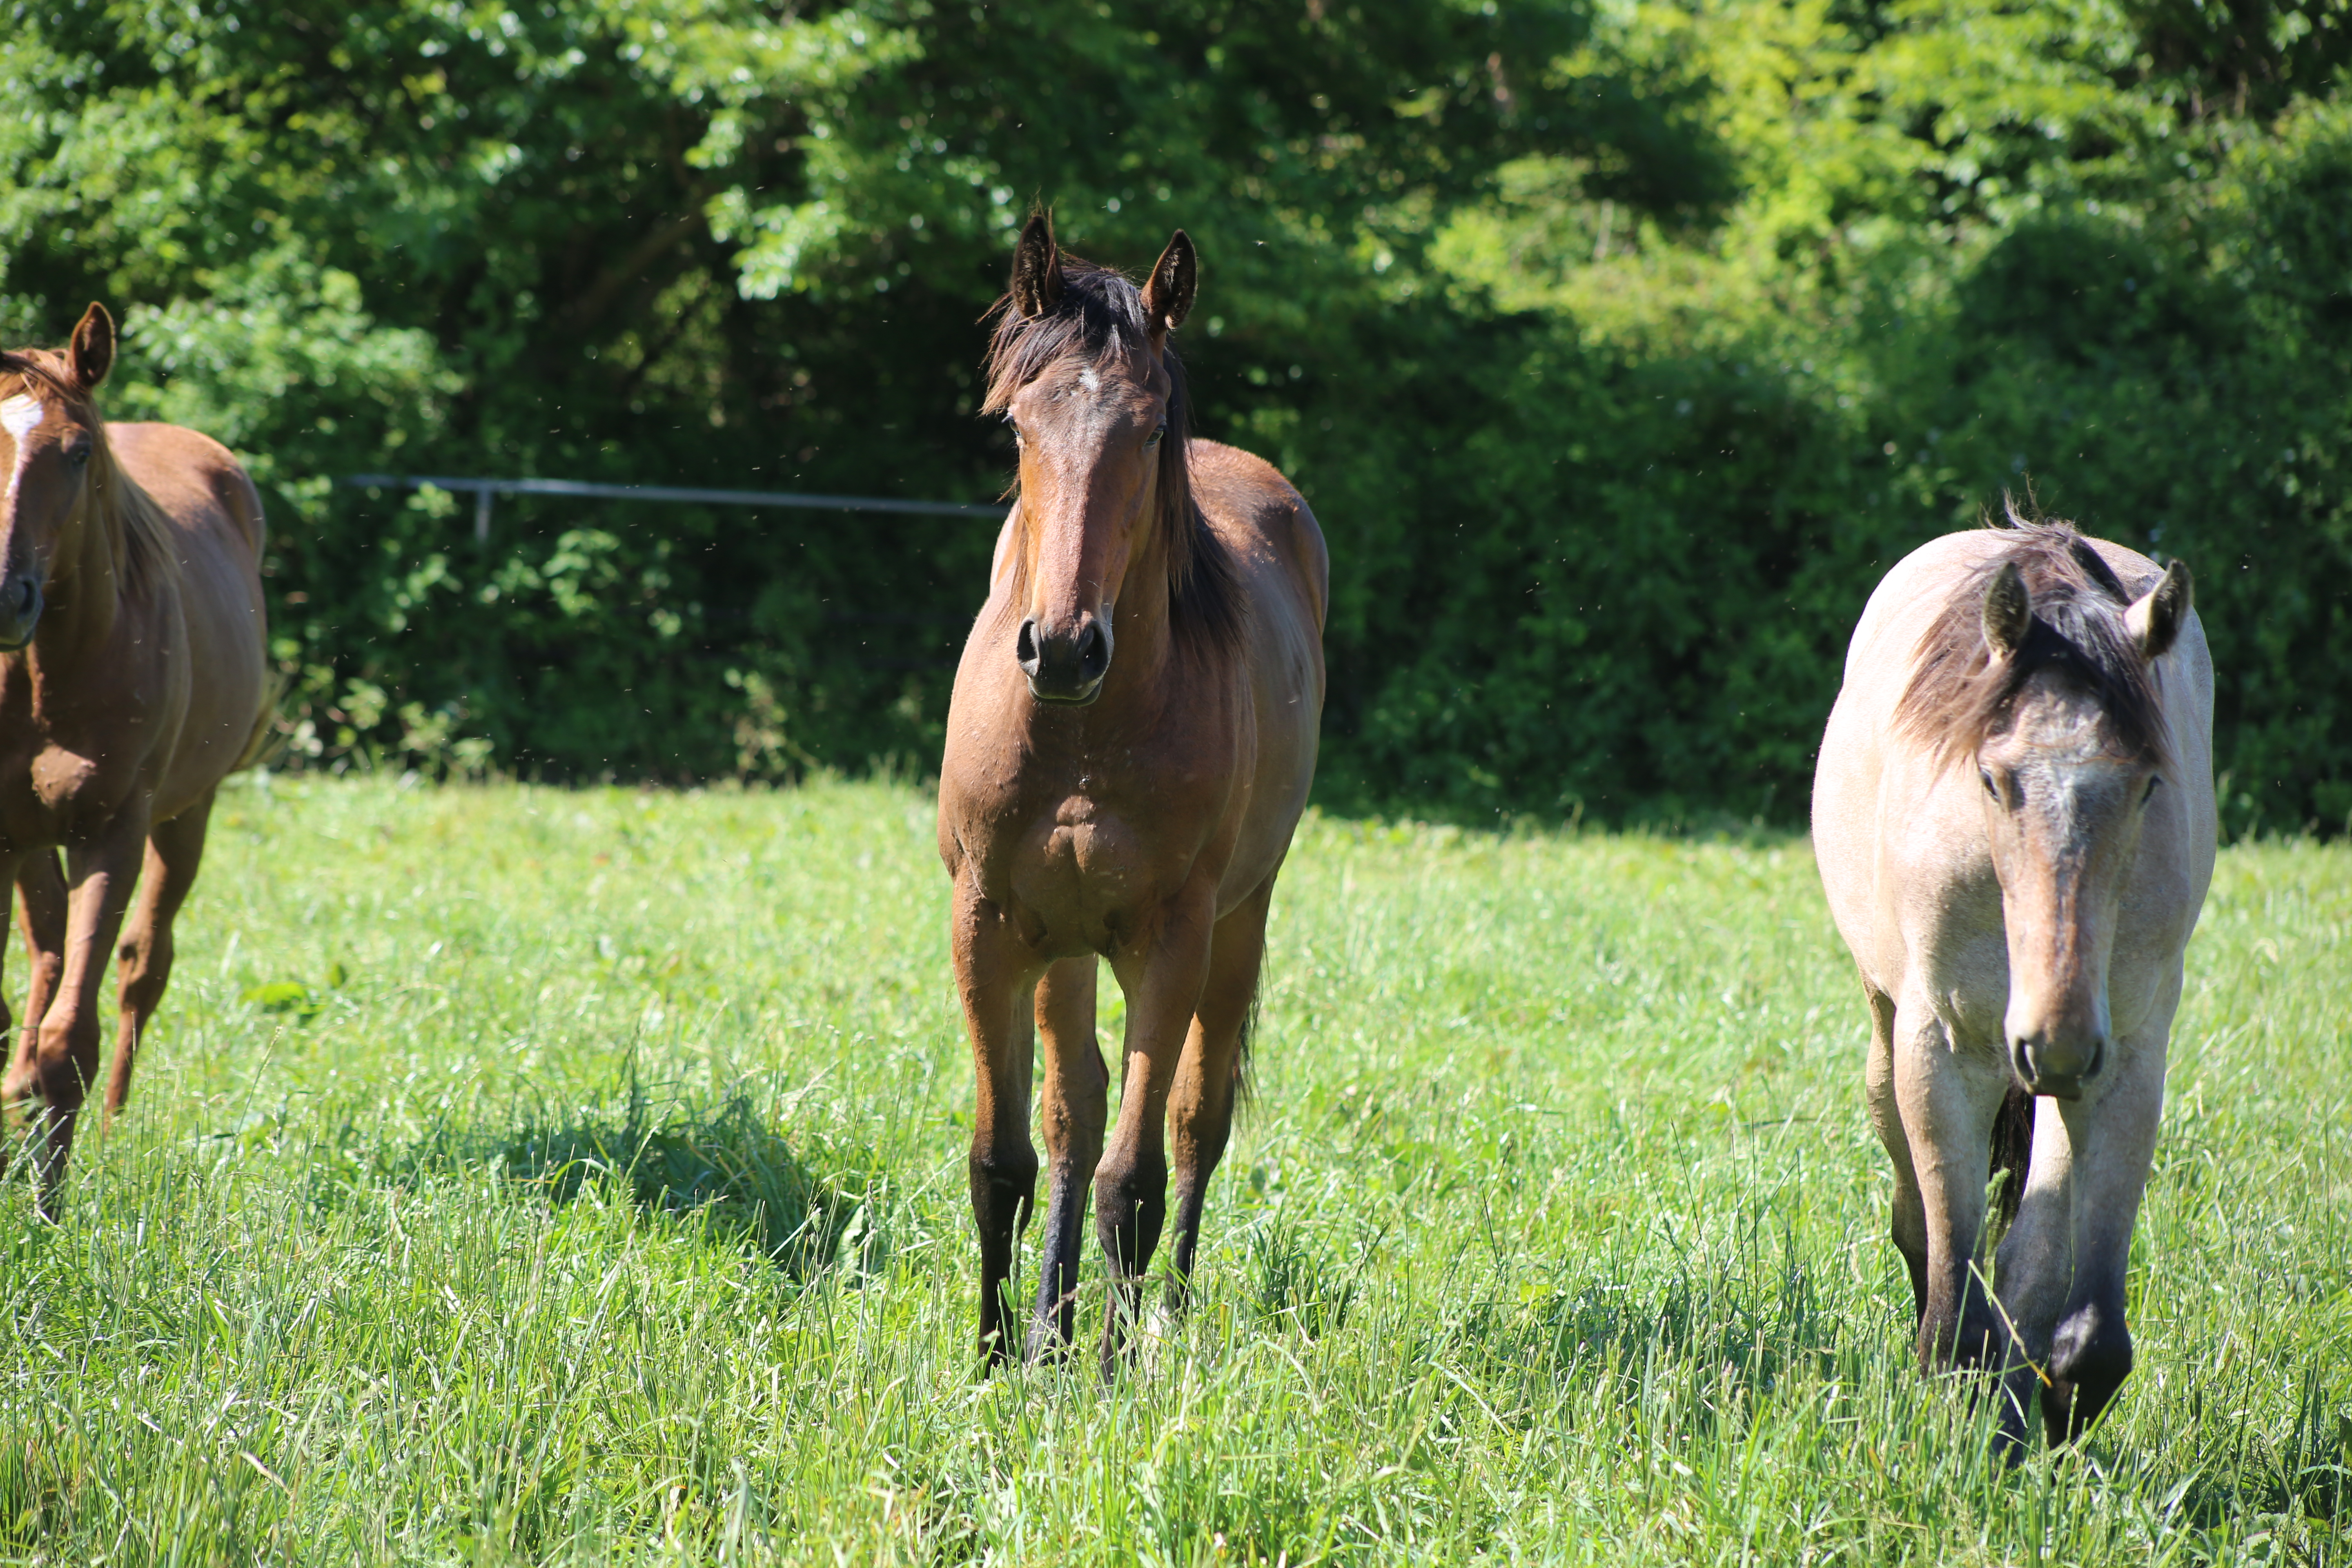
70	764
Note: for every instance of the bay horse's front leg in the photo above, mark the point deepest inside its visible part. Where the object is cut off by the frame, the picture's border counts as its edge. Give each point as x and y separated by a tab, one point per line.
41	916
1073	1109
995	974
1162	978
1200	1107
66	1059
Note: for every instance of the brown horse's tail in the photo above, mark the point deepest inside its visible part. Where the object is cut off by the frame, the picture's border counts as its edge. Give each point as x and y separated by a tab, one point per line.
2012	1148
263	742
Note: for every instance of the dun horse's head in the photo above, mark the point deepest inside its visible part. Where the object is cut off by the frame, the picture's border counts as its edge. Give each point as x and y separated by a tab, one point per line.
49	430
2065	718
1081	368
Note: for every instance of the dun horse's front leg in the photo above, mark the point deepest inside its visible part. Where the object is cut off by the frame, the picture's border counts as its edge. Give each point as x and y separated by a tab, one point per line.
1948	1093
995	975
1163	979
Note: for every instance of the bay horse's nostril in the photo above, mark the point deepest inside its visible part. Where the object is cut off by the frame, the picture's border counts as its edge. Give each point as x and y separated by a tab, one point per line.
1094	651
1024	646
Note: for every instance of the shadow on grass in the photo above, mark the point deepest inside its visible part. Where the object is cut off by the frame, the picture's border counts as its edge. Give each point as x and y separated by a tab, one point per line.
727	1166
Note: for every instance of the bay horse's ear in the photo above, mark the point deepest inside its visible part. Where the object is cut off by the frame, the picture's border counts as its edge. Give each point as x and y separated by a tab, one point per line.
1175	279
91	352
1037	268
2154	620
2007	610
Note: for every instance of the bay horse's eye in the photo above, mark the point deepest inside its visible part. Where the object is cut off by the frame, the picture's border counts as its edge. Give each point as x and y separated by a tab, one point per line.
1158	431
78	454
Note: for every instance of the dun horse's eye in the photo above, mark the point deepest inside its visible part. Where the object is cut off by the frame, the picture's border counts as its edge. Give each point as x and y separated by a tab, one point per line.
1991	788
2150	793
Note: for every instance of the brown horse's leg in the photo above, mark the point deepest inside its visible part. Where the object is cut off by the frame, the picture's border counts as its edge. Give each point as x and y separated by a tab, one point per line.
1910	1219
143	962
1200	1107
1073	1109
995	983
1163	979
66	1059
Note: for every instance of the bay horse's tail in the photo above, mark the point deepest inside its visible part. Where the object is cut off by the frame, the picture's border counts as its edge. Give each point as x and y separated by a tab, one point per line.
2012	1148
264	739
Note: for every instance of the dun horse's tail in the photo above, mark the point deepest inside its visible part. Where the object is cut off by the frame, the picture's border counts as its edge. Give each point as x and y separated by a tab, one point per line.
265	738
2013	1147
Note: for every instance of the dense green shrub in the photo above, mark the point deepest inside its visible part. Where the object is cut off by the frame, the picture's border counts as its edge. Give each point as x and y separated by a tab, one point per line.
1619	352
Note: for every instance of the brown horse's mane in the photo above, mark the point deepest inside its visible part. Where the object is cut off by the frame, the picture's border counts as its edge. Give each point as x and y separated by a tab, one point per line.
135	524
1099	316
1960	695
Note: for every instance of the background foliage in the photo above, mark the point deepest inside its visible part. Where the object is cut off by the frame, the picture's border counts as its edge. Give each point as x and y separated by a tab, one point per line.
1620	348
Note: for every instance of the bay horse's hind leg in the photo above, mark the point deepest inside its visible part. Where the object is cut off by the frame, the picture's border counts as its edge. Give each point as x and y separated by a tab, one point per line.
174	850
1910	1217
1071	1106
1208	1080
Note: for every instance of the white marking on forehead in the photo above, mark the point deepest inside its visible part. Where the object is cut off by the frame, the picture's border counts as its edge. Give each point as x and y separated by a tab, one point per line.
1087	378
21	416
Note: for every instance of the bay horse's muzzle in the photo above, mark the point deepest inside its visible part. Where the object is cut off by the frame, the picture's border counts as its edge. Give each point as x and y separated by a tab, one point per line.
20	610
1064	665
2056	1069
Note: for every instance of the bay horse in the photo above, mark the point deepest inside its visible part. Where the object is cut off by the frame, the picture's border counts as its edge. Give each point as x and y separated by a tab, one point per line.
2014	820
1130	745
133	678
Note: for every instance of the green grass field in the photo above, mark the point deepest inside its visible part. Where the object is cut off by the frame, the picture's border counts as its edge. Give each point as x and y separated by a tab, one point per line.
521	1175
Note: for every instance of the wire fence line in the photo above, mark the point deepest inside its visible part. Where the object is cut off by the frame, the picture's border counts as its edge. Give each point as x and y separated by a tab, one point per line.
485	491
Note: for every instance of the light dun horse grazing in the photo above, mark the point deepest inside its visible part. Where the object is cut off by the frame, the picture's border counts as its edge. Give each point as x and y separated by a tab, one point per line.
1130	746
2014	820
133	681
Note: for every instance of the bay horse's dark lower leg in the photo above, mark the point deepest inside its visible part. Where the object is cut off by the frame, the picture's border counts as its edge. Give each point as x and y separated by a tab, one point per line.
995	991
1072	1108
1208	1080
174	850
1163	984
65	1061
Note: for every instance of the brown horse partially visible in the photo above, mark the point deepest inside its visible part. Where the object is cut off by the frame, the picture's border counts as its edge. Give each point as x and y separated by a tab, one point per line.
2014	820
132	679
1130	746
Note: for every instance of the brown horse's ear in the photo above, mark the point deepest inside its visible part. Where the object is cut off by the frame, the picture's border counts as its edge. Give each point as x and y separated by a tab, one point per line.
91	352
2154	620
2007	610
1037	268
1175	279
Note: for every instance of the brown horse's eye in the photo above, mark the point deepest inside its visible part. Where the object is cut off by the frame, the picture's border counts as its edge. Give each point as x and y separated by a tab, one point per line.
78	454
1158	431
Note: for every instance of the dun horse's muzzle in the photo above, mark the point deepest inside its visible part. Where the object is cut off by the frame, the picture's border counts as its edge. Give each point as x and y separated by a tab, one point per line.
1064	665
20	610
2057	1070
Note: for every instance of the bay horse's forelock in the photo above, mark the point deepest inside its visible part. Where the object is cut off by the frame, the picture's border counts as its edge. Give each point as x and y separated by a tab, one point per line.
1098	318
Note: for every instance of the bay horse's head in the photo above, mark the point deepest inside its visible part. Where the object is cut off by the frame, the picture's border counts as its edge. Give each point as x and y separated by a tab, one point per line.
2047	684
1081	367
49	431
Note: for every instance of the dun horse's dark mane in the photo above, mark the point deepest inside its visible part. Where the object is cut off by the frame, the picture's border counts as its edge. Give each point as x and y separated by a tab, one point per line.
144	549
1960	695
1099	318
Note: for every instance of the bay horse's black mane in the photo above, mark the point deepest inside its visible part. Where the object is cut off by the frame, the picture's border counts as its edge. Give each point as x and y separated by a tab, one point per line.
1960	695
1099	318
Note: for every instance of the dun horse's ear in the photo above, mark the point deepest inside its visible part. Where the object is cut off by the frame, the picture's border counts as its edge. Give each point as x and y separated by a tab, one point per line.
91	352
2007	610
2154	620
1175	279
1037	268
